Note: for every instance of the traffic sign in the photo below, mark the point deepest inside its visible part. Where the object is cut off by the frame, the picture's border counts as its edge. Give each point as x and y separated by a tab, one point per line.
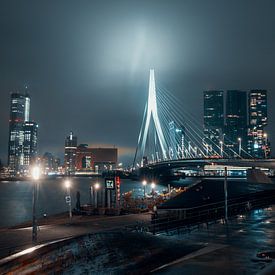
110	183
68	199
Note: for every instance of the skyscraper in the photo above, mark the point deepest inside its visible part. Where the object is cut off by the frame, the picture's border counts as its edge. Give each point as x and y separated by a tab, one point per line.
30	143
19	114
258	145
236	122
213	119
70	154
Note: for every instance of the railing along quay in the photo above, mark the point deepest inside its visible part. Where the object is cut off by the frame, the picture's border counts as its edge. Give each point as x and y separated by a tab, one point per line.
175	219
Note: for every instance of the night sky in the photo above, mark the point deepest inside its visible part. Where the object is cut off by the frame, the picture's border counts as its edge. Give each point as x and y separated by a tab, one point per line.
87	62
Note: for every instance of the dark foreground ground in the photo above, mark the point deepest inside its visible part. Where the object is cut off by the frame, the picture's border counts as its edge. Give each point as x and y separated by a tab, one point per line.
230	249
218	249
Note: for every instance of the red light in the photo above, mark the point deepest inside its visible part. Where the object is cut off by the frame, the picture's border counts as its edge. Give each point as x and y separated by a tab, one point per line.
117	180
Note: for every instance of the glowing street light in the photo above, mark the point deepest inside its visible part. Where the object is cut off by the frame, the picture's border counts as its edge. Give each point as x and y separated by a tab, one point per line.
36	172
153	186
67	185
96	187
144	183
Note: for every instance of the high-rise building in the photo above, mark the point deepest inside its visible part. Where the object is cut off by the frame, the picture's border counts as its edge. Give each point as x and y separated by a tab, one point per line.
30	144
213	120
236	123
50	163
19	114
70	154
258	145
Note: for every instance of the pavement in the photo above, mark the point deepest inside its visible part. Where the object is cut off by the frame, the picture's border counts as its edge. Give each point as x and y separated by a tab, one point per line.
230	249
218	248
15	239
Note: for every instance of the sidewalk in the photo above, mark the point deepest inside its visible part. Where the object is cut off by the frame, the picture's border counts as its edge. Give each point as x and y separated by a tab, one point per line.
15	239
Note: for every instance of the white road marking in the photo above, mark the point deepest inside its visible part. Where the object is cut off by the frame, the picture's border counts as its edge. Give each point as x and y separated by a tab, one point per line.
205	250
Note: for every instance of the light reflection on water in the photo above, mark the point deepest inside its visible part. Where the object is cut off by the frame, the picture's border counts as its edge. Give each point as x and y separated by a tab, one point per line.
16	197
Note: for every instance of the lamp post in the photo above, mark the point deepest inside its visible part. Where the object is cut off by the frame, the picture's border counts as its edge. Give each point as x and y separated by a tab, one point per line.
153	186
240	146
91	195
36	176
96	187
144	183
69	201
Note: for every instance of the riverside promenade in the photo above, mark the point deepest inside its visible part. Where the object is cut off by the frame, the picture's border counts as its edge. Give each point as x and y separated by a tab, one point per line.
218	248
17	238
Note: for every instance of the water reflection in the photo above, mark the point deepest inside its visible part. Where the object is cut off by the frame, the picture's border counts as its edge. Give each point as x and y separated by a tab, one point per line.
16	197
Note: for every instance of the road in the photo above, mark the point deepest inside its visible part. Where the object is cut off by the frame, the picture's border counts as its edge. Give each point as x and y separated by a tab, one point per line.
15	239
229	250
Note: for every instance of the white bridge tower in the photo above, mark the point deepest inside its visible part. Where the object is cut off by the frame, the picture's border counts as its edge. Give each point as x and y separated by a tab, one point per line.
151	111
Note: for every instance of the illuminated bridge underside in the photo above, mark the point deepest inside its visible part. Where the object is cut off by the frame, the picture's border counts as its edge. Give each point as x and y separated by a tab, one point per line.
171	164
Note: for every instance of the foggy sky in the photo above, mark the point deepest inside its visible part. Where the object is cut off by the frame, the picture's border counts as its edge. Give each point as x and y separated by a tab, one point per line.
87	62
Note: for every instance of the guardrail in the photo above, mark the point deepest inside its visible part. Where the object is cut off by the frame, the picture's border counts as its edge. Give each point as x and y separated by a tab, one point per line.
175	219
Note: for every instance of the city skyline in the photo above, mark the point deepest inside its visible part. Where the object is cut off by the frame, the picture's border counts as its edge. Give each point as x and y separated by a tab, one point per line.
97	79
137	137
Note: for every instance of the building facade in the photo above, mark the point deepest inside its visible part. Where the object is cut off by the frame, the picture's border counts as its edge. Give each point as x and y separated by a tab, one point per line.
19	114
70	154
258	145
95	159
236	123
50	163
30	144
213	120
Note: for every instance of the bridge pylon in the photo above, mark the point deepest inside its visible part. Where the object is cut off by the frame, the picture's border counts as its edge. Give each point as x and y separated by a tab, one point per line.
151	114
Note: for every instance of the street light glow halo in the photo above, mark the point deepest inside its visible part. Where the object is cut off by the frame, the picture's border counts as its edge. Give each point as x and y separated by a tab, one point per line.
36	172
67	183
97	185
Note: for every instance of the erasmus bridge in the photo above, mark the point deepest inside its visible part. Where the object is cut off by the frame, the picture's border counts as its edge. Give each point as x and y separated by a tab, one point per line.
171	137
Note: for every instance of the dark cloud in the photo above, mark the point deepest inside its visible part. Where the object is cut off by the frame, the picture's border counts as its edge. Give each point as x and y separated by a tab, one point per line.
87	62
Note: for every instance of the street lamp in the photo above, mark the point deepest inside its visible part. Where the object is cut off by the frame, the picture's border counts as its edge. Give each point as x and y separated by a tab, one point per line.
68	197
96	187
36	172
240	145
153	186
144	183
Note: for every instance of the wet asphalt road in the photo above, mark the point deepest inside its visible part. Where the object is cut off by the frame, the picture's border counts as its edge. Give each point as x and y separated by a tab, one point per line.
230	249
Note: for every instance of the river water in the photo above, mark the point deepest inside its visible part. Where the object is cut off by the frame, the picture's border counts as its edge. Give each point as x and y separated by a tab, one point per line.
16	196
